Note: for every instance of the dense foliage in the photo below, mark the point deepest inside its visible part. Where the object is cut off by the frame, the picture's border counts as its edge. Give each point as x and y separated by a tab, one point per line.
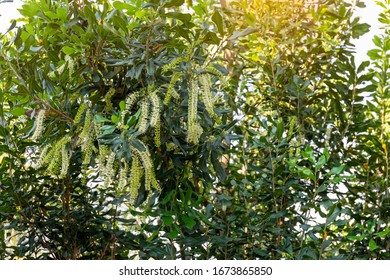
162	129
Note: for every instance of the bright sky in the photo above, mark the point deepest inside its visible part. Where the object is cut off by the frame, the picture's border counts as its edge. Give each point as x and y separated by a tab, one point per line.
369	15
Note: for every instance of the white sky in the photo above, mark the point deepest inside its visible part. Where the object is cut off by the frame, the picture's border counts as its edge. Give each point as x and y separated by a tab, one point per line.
8	11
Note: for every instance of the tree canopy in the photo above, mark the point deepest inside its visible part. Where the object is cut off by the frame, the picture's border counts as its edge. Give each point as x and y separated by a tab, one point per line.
168	129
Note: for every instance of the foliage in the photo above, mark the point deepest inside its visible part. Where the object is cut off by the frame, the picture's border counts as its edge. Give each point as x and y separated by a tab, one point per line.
168	130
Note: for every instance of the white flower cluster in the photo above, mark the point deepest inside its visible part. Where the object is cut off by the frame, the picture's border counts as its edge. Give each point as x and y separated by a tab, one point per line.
217	73
57	157
122	182
41	160
107	98
87	138
131	99
65	161
173	64
206	95
171	92
103	153
144	117
147	164
135	177
129	103
87	146
194	129
39	125
87	124
109	170
155	118
292	127
328	134
68	62
80	112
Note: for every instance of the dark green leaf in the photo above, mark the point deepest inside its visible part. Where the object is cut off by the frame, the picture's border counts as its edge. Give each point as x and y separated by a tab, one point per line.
180	16
188	221
138	145
173	3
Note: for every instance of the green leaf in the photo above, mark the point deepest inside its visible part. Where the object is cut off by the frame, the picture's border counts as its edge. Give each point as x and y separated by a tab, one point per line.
325	244
108	128
168	197
321	162
28	42
168	220
372	245
68	50
188	221
374	54
122	105
356	237
363	66
18	111
305	172
62	13
279	130
336	170
179	16
211	38
114	119
174	3
377	41
138	145
131	121
333	213
13	24
309	154
322	188
219	170
217	19
99	118
383	233
360	29
173	234
119	5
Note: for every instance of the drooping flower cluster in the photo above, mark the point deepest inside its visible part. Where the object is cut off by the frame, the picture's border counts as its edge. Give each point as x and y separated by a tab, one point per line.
69	63
122	182
144	117
87	138
206	95
80	112
171	92
194	129
107	98
87	124
173	64
109	170
56	157
136	173
146	160
291	128
216	72
155	118
199	86
65	160
39	125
